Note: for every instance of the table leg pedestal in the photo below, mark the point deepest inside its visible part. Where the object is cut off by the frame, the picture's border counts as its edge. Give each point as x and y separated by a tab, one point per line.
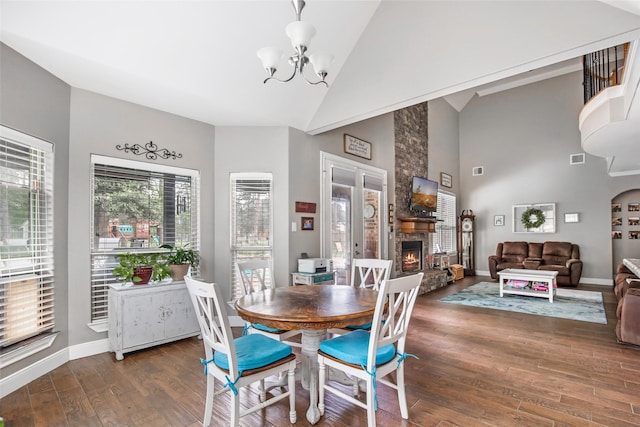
311	340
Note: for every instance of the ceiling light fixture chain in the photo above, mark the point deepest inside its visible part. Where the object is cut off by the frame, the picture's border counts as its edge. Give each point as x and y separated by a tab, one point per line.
300	33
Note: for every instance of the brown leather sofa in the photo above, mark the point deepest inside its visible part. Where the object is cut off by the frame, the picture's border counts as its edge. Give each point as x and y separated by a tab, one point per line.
563	257
628	311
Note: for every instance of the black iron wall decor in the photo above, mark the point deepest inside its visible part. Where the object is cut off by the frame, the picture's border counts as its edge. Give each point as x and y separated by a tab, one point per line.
150	151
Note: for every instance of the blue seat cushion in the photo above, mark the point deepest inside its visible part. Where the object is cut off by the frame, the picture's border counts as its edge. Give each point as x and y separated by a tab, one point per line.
353	347
356	327
254	351
266	328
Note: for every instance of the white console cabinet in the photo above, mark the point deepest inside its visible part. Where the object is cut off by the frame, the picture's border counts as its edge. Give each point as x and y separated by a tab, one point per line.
143	316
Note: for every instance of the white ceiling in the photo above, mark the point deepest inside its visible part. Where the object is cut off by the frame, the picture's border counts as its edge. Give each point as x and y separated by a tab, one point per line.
198	59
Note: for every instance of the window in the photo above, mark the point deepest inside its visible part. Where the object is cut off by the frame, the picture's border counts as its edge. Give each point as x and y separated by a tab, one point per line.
26	237
137	206
444	239
251	221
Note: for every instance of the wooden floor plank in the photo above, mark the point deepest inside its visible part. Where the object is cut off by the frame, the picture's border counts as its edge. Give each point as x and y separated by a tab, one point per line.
476	367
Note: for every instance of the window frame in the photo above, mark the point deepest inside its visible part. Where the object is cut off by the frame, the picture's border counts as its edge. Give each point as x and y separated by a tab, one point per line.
447	222
264	251
35	278
101	277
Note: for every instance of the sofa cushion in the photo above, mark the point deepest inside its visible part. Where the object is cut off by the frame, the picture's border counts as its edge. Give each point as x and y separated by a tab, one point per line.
505	265
535	250
556	253
514	252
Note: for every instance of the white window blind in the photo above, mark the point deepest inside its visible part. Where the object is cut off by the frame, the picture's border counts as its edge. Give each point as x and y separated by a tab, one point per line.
138	206
251	222
26	237
444	239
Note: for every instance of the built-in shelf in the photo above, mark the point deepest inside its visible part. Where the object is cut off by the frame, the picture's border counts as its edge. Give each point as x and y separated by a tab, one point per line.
417	225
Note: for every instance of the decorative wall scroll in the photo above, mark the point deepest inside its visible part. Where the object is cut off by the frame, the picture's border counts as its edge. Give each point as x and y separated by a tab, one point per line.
150	151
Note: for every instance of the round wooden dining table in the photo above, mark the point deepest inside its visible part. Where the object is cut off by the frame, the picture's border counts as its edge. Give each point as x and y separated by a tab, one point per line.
312	309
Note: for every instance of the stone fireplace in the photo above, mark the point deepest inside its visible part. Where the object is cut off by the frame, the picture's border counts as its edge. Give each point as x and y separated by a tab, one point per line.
411	256
411	159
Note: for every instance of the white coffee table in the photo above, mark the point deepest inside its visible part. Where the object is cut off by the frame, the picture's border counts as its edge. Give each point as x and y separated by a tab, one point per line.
548	277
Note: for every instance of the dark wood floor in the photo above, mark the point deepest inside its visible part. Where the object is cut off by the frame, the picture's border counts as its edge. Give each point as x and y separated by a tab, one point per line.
476	367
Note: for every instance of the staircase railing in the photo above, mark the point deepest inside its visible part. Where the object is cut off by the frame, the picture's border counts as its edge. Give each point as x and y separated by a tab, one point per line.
603	69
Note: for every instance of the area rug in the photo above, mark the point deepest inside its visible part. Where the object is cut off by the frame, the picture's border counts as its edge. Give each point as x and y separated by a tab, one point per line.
571	304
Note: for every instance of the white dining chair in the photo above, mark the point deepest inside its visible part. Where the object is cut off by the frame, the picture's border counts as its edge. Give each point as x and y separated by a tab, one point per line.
238	362
372	355
370	272
366	273
257	275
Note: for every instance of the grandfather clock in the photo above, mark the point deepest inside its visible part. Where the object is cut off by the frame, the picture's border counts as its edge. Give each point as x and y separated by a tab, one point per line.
466	244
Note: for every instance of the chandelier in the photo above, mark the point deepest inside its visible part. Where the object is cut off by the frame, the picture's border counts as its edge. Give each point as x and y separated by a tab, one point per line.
300	33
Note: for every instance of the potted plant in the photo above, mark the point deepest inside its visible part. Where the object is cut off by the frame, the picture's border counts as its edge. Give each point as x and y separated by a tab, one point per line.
179	260
140	268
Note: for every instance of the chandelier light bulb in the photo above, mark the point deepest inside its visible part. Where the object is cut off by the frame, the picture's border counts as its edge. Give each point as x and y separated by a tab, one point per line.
300	33
321	62
270	57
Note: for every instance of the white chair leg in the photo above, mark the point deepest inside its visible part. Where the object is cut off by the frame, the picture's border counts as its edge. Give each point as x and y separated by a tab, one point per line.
402	396
371	396
263	391
322	380
235	410
292	395
208	406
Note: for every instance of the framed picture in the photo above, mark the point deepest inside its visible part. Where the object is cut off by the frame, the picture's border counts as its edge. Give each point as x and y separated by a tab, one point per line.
571	217
634	220
445	179
498	220
634	235
616	234
615	221
534	218
307	222
633	207
357	147
616	207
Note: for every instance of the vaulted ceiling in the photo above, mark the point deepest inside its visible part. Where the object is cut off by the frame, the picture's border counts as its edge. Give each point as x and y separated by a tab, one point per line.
198	59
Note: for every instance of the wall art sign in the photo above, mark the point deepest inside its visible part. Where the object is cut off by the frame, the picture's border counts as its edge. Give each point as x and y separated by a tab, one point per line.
445	179
357	147
305	207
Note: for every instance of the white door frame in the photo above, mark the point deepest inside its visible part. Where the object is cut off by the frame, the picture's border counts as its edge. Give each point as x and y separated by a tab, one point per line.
327	161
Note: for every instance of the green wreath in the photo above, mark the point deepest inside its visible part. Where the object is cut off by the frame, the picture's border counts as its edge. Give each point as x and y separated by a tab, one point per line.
528	214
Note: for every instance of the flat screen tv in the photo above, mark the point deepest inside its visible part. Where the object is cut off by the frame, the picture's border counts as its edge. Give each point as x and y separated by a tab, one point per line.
424	197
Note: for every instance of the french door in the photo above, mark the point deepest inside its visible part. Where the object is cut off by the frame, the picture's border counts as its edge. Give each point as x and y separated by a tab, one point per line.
354	209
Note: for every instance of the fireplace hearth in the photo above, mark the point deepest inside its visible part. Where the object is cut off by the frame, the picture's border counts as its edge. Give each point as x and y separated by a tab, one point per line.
411	256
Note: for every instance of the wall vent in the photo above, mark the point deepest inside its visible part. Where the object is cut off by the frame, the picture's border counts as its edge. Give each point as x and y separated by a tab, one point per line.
477	170
577	159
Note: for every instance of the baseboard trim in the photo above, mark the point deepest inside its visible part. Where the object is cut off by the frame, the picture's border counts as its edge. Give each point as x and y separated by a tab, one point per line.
24	376
43	366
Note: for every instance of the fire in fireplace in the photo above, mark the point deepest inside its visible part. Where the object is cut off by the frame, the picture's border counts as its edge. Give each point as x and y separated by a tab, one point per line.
411	256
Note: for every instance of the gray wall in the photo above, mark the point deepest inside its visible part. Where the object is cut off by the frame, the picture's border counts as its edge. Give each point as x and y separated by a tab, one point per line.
444	153
523	138
379	131
37	103
251	149
98	124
